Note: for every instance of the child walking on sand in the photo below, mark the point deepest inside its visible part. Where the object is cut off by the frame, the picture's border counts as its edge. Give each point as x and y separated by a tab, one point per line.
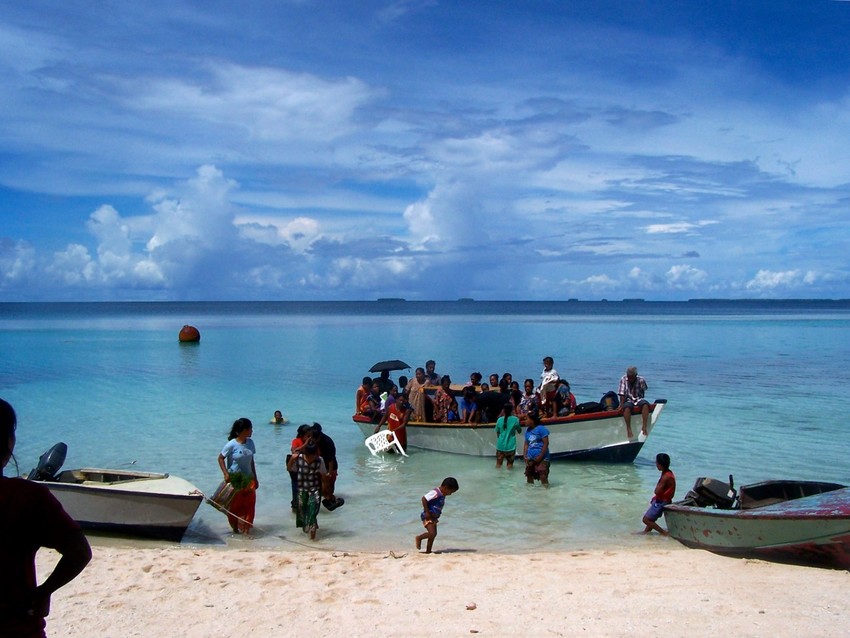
432	507
664	491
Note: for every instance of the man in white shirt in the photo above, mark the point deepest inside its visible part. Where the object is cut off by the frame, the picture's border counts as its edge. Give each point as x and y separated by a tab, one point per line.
548	382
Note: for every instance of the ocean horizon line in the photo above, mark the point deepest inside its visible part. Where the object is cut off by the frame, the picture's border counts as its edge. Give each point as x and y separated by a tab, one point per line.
462	300
192	311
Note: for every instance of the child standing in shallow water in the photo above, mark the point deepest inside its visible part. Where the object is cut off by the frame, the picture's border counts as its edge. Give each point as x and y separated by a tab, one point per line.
664	491
432	507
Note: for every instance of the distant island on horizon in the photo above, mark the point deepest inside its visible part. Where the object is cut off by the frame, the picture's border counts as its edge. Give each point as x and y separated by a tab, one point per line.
192	312
461	300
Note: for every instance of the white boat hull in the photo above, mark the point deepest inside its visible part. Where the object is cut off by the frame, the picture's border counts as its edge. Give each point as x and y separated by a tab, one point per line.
135	503
598	436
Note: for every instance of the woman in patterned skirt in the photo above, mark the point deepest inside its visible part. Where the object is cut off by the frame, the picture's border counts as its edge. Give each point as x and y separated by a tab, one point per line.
309	468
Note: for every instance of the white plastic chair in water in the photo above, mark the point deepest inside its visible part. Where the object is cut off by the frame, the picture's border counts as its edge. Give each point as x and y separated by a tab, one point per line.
383	441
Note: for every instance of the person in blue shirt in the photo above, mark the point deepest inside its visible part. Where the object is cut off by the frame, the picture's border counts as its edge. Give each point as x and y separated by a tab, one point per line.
535	450
236	461
432	508
468	408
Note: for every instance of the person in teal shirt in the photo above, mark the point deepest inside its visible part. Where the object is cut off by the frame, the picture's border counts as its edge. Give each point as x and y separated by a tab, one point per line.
507	427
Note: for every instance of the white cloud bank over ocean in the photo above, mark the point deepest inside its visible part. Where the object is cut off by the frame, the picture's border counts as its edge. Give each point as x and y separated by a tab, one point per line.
305	150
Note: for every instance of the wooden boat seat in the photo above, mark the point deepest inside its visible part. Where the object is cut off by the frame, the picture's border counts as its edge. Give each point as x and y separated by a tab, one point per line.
772	492
749	505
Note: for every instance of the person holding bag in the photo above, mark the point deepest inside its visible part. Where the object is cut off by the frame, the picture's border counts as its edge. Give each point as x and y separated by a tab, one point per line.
237	465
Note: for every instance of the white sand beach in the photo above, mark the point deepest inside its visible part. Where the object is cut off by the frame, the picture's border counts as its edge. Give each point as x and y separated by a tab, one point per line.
664	589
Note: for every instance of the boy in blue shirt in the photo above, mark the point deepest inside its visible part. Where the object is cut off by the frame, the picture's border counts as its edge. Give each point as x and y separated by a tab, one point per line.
432	507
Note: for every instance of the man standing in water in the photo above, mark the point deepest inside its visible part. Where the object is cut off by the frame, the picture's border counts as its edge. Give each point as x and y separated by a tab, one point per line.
632	389
327	450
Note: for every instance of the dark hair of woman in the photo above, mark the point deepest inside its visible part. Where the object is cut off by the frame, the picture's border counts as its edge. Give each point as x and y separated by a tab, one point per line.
239	426
303	429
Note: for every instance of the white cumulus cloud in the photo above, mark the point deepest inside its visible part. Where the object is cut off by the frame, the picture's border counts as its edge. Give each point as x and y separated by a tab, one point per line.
771	280
17	261
683	276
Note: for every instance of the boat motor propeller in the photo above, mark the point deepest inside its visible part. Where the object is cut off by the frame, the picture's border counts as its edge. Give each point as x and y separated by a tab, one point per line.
49	463
709	492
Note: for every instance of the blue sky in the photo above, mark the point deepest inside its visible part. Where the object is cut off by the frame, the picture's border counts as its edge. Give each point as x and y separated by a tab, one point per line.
209	150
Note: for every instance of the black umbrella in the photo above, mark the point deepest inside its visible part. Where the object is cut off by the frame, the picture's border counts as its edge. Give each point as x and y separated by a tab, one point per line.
392	364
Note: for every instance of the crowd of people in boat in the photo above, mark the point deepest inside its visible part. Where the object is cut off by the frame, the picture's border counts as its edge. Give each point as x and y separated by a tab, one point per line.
433	398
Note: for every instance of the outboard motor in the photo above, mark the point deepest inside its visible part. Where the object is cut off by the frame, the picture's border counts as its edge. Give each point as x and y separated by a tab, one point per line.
711	492
49	464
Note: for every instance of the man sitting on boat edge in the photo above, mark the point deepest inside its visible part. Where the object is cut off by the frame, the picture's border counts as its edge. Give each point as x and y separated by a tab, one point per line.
548	382
632	390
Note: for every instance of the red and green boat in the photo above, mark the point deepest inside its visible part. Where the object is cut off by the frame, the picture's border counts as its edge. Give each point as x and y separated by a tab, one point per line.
800	522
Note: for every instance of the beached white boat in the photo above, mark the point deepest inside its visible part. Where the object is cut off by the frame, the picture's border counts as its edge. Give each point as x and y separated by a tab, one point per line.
595	436
121	501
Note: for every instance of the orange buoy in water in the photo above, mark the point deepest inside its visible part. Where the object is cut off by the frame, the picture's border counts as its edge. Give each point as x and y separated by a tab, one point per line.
189	334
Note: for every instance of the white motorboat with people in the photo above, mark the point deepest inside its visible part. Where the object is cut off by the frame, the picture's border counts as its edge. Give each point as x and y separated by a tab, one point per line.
594	436
590	431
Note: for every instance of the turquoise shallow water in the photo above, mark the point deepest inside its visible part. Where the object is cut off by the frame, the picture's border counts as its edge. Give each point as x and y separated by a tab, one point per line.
750	390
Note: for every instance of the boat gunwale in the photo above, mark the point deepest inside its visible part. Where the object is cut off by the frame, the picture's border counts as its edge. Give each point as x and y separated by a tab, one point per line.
547	421
131	475
103	487
831	505
756	513
124	487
